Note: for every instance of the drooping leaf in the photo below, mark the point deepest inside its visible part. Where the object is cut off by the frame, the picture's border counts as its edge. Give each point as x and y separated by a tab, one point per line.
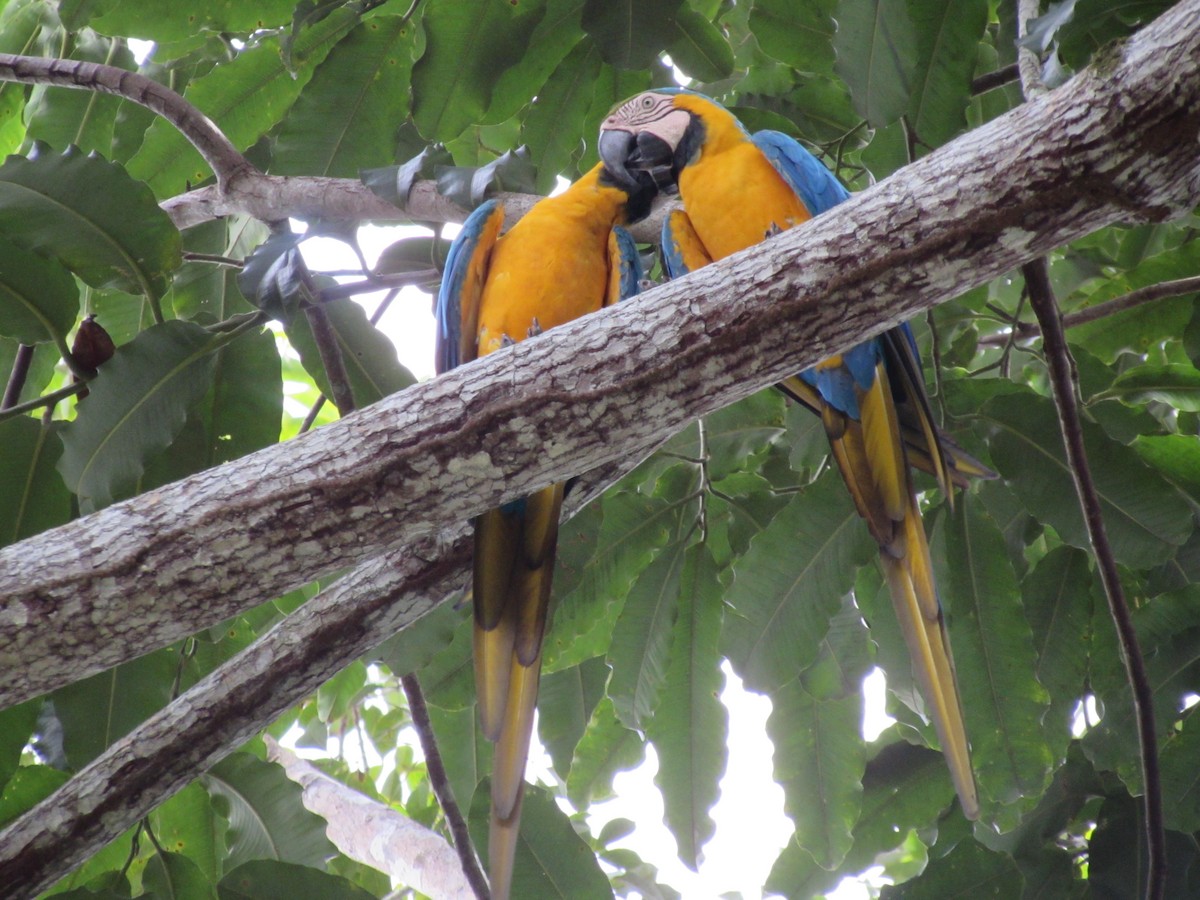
347	117
467	47
789	583
33	497
798	32
274	879
876	46
138	404
689	728
947	33
555	121
395	183
468	186
1003	703
629	34
552	860
566	701
1146	518
699	48
266	819
244	98
819	760
90	216
607	747
555	35
145	19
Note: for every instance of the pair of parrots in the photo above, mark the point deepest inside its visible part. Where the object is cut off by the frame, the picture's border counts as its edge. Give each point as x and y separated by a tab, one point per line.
570	256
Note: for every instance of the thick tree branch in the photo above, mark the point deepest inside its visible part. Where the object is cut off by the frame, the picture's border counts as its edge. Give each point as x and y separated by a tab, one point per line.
224	710
1103	148
222	157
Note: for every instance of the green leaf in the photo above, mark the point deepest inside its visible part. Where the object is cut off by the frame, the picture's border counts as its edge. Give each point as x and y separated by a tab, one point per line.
1117	853
336	697
187	824
1176	384
97	711
244	97
552	860
699	48
468	45
554	123
797	32
737	437
969	870
1003	703
947	33
92	217
347	116
1180	777
138	404
1146	518
819	761
1176	456
566	701
174	875
607	747
791	581
1058	600
630	34
16	727
266	819
270	879
613	86
33	497
29	786
876	46
145	18
466	753
369	356
448	678
1097	22
244	410
411	648
642	637
690	726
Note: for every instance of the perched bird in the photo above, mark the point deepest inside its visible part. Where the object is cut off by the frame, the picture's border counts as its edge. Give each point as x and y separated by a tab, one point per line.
738	189
567	257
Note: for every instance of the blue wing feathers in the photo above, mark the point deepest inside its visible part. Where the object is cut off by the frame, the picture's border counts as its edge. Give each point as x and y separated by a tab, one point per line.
450	294
630	262
672	255
817	186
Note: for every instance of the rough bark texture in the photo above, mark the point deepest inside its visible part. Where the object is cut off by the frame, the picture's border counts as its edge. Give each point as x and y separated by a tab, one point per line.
1118	144
234	703
375	834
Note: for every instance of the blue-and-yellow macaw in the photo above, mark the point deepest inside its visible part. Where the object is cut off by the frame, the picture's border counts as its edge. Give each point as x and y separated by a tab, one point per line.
738	189
566	257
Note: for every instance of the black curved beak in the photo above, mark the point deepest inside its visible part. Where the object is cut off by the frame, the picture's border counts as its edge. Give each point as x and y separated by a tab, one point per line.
643	152
616	148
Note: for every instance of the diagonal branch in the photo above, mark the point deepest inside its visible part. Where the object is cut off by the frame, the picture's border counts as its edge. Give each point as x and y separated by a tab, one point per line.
140	574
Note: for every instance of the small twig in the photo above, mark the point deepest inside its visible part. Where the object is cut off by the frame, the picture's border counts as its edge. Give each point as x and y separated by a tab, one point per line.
377	283
1062	380
221	155
189	256
440	783
993	80
315	411
16	379
50	399
331	358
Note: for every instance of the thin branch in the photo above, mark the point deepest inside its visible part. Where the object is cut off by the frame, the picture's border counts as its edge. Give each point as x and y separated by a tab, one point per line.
378	283
16	378
1028	64
1062	380
331	358
440	782
215	258
47	400
222	156
313	412
992	80
1164	290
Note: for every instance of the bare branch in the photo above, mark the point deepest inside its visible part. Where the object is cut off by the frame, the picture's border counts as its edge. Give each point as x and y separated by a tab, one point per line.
992	80
145	572
16	378
222	157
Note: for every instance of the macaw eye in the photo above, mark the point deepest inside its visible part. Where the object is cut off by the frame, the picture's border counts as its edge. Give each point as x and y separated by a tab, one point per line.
647	102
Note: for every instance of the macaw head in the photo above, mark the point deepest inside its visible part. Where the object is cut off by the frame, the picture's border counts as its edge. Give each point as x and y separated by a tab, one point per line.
662	131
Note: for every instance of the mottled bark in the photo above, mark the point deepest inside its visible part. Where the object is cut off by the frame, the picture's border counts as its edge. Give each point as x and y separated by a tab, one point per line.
1117	144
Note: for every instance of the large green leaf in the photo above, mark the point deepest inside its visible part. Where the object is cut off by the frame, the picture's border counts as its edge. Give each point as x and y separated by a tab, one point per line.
29	786
689	728
699	48
1146	517
1176	384
272	879
642	637
1117	853
33	497
1181	777
1002	699
170	874
554	123
630	34
554	37
552	861
1058	600
876	46
607	747
347	117
947	33
188	824
154	20
138	404
969	870
790	582
23	23
566	701
94	712
466	753
245	98
1177	456
91	216
798	32
369	356
266	818
468	46
819	760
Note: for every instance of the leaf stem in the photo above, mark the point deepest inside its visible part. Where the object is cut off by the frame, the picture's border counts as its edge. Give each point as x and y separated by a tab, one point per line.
16	379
